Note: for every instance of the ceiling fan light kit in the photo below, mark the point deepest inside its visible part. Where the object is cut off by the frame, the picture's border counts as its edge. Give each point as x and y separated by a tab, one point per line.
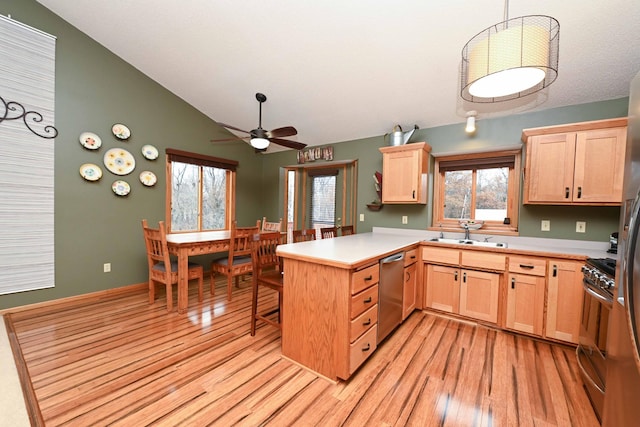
511	59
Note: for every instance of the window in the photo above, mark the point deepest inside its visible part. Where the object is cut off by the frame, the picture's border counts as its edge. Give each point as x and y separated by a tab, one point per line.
202	191
482	186
323	201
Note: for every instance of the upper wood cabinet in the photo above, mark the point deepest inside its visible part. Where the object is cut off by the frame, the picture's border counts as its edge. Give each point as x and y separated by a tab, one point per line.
404	173
577	164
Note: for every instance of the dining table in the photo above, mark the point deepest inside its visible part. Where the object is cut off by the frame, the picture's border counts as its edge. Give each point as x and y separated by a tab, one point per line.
184	245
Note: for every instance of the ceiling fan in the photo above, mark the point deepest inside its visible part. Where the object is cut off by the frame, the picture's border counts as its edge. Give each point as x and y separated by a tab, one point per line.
260	138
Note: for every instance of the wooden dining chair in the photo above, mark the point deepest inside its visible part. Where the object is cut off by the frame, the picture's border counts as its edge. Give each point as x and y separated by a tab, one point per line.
346	230
267	273
304	235
270	226
162	269
328	232
238	260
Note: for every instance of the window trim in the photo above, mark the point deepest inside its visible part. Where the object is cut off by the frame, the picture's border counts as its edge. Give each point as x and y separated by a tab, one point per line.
472	161
173	155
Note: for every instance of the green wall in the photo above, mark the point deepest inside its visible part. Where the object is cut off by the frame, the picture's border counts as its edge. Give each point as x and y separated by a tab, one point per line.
95	89
498	132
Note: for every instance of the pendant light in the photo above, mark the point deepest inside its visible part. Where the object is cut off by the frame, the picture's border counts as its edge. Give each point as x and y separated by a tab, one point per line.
471	122
511	59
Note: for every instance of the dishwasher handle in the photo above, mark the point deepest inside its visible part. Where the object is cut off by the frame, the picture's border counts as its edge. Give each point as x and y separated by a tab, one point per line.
392	258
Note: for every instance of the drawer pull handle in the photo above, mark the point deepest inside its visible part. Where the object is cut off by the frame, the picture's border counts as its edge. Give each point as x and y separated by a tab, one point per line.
513	283
455	276
367	300
529	267
367	323
555	271
579	192
367	348
464	277
369	277
412	257
566	192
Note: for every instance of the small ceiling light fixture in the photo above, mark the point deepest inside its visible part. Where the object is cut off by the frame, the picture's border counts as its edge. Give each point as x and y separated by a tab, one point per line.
471	122
259	139
511	59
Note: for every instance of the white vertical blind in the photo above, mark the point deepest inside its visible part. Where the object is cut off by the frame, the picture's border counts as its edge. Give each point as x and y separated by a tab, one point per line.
27	77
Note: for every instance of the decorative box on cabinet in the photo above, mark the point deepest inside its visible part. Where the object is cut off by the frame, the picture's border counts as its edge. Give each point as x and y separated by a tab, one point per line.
575	164
405	169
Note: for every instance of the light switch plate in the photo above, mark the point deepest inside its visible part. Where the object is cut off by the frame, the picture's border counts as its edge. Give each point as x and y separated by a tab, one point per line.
361	217
405	219
545	225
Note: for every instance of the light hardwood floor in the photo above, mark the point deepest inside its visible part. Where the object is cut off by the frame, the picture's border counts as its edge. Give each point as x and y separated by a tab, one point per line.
120	361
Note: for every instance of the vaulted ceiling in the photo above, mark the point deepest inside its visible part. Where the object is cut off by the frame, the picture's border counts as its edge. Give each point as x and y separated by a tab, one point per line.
339	70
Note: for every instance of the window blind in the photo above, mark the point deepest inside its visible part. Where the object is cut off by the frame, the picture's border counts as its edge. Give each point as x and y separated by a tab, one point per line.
27	67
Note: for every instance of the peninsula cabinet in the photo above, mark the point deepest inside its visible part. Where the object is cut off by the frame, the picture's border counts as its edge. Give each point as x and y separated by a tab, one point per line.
564	300
576	164
404	173
462	282
330	316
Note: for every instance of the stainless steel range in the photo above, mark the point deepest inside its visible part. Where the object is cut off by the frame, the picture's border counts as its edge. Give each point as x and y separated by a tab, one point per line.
598	282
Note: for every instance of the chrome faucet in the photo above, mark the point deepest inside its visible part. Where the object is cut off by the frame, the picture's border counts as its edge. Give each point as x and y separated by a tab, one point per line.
466	232
441	233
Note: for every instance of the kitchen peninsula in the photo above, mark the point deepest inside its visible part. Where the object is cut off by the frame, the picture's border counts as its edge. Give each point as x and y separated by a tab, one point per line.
329	314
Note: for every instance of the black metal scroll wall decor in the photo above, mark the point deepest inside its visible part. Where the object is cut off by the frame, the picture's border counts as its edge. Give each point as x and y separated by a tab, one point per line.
16	111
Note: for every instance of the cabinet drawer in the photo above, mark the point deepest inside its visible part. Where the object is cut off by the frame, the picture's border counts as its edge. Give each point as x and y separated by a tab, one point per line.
440	255
363	322
363	301
362	348
364	278
527	265
410	257
484	260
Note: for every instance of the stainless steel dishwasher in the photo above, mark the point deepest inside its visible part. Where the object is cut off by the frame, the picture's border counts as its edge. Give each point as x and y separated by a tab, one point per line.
390	298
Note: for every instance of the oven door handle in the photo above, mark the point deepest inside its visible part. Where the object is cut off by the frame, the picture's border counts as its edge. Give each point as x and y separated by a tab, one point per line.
596	295
584	372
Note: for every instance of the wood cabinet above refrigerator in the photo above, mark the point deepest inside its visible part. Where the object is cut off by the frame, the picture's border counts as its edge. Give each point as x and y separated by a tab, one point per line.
575	164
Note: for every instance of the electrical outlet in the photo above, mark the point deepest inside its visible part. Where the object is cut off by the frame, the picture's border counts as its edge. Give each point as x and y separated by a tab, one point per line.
545	225
107	267
361	217
405	219
581	227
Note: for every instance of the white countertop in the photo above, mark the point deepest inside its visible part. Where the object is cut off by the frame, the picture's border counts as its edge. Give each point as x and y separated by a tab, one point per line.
350	251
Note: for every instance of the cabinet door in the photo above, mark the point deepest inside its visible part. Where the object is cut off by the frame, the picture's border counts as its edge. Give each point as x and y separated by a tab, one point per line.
550	160
564	300
599	166
443	288
409	290
401	176
479	295
525	303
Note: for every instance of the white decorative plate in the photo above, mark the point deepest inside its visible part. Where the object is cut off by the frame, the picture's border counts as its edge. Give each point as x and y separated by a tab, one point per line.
90	172
121	131
121	188
150	152
119	161
90	140
148	178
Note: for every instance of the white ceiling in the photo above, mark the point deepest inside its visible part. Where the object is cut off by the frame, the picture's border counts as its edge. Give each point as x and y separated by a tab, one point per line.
339	70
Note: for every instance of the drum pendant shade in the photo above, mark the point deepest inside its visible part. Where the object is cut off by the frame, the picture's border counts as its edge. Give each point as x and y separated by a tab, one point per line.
511	59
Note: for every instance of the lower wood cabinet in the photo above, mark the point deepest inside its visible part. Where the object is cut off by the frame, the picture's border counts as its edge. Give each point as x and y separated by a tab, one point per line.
525	303
442	288
409	289
564	300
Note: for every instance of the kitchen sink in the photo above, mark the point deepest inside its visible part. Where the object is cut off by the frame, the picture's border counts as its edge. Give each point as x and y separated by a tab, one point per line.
470	242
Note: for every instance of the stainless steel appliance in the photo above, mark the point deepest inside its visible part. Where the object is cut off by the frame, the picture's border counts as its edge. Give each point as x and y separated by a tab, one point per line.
390	294
622	396
598	285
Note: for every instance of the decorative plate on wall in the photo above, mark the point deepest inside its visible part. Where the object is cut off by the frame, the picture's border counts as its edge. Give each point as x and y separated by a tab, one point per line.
121	131
148	178
119	161
121	188
90	140
90	172
149	152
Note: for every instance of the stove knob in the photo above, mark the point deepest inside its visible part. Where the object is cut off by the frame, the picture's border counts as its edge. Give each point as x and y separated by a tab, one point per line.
610	283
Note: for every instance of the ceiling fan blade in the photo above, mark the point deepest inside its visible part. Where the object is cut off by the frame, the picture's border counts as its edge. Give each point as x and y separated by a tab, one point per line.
232	127
282	132
230	139
287	143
